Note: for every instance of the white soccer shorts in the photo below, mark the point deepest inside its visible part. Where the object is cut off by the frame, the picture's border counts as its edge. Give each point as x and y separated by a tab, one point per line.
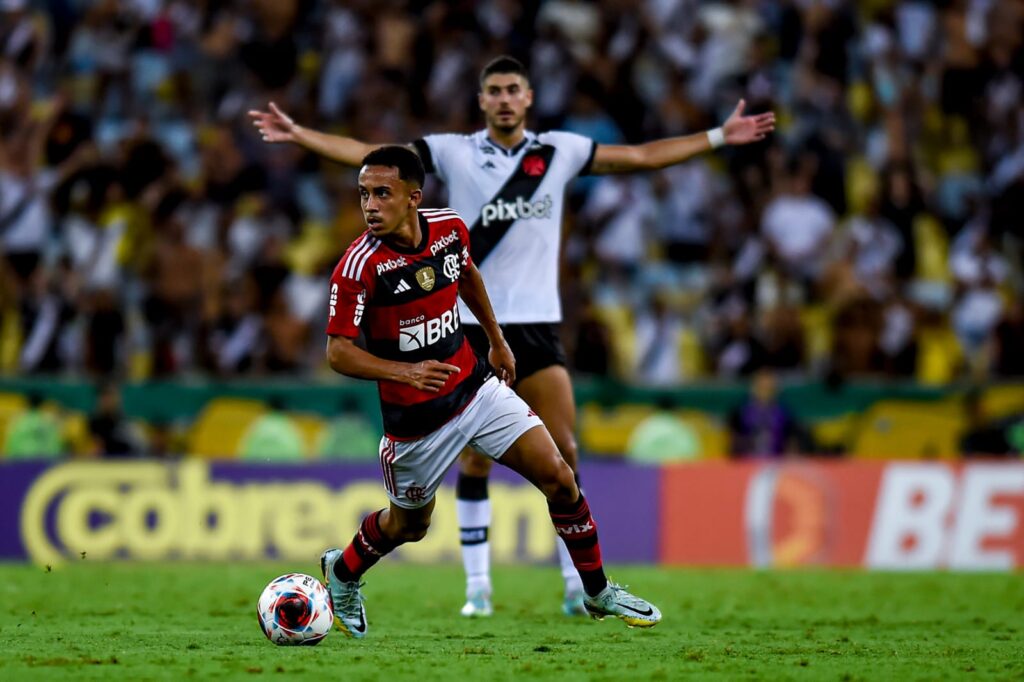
491	423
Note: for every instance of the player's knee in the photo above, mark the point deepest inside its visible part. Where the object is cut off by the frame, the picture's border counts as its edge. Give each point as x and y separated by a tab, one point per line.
414	531
560	487
566	444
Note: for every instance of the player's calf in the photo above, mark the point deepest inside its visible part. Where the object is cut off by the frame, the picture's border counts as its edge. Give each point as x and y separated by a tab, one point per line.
406	530
379	534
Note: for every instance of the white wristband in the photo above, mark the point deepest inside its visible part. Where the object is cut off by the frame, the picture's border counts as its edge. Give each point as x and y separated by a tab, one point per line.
716	137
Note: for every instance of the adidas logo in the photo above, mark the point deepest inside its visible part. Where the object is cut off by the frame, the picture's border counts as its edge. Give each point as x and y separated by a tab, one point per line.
403	286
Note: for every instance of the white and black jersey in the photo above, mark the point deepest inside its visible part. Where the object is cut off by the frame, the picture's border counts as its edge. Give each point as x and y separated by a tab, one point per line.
514	200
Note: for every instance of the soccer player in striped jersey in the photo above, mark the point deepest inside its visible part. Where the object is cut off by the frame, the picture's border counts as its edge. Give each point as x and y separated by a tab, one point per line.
511	183
399	284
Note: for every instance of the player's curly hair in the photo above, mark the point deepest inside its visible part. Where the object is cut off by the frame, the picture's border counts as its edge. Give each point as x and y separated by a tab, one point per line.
410	168
503	64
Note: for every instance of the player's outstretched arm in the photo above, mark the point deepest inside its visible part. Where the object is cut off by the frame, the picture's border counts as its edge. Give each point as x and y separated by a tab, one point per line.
737	129
276	126
345	357
474	293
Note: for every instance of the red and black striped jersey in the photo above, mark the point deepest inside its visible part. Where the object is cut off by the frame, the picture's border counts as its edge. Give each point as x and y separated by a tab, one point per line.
405	301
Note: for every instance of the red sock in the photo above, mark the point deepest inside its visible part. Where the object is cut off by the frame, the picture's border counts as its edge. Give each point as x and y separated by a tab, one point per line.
577	528
367	548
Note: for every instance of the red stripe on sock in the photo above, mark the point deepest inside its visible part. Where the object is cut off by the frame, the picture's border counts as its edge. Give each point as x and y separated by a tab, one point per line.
371	528
579	528
588	559
353	562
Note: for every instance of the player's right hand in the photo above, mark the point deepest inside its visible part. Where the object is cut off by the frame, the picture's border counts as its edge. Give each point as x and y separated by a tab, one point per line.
429	375
274	125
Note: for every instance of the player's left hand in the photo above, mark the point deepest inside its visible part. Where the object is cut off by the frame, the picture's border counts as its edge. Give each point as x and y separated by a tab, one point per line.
274	125
740	129
503	362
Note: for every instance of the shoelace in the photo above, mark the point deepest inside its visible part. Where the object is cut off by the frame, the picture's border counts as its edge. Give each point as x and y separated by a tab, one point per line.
350	599
619	591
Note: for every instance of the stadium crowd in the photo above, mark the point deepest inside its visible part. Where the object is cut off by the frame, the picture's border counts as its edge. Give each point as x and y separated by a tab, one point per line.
146	231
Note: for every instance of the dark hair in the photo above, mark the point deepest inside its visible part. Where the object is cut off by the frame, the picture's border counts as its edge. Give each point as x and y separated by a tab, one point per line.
503	64
410	168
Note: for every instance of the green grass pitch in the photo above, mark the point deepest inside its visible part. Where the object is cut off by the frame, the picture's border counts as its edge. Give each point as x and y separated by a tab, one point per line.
197	621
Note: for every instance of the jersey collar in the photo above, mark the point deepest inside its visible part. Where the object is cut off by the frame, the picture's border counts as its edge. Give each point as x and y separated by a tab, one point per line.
512	151
425	229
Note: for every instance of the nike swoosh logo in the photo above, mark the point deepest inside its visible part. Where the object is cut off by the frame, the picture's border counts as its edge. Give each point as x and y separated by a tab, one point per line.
352	627
648	612
362	623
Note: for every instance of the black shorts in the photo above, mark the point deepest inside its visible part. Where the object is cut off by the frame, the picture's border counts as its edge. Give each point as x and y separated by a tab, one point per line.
536	346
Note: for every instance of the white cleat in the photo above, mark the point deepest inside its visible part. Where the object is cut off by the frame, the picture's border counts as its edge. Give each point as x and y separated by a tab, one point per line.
346	599
616	601
478	605
573	604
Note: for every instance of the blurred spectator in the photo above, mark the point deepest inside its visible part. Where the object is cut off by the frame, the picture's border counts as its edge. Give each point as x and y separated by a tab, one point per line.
900	205
856	349
686	198
783	338
344	58
45	315
1009	340
979	270
897	339
22	38
622	212
35	433
658	336
233	338
797	224
592	346
762	426
874	247
112	434
740	352
175	280
104	334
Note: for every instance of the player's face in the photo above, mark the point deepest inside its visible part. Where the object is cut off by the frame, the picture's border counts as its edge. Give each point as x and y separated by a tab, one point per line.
504	99
386	199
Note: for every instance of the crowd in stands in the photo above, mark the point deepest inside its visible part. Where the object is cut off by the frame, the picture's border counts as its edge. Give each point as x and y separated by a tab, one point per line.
147	232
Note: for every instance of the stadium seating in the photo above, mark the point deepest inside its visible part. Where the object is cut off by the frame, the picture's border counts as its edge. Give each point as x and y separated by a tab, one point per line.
938	356
11	404
835	434
607	431
219	427
311	427
907	429
713	436
998	402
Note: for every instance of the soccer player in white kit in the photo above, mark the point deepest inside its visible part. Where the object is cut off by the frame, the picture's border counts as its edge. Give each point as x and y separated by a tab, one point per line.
511	183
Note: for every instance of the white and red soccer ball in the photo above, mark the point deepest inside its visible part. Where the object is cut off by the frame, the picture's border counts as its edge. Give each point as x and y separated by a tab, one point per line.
295	609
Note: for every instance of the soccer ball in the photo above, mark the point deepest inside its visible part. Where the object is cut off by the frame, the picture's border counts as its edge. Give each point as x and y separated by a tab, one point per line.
295	609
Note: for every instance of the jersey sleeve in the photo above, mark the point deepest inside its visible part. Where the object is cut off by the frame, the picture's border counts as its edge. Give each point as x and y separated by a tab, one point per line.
438	152
347	303
579	150
465	259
